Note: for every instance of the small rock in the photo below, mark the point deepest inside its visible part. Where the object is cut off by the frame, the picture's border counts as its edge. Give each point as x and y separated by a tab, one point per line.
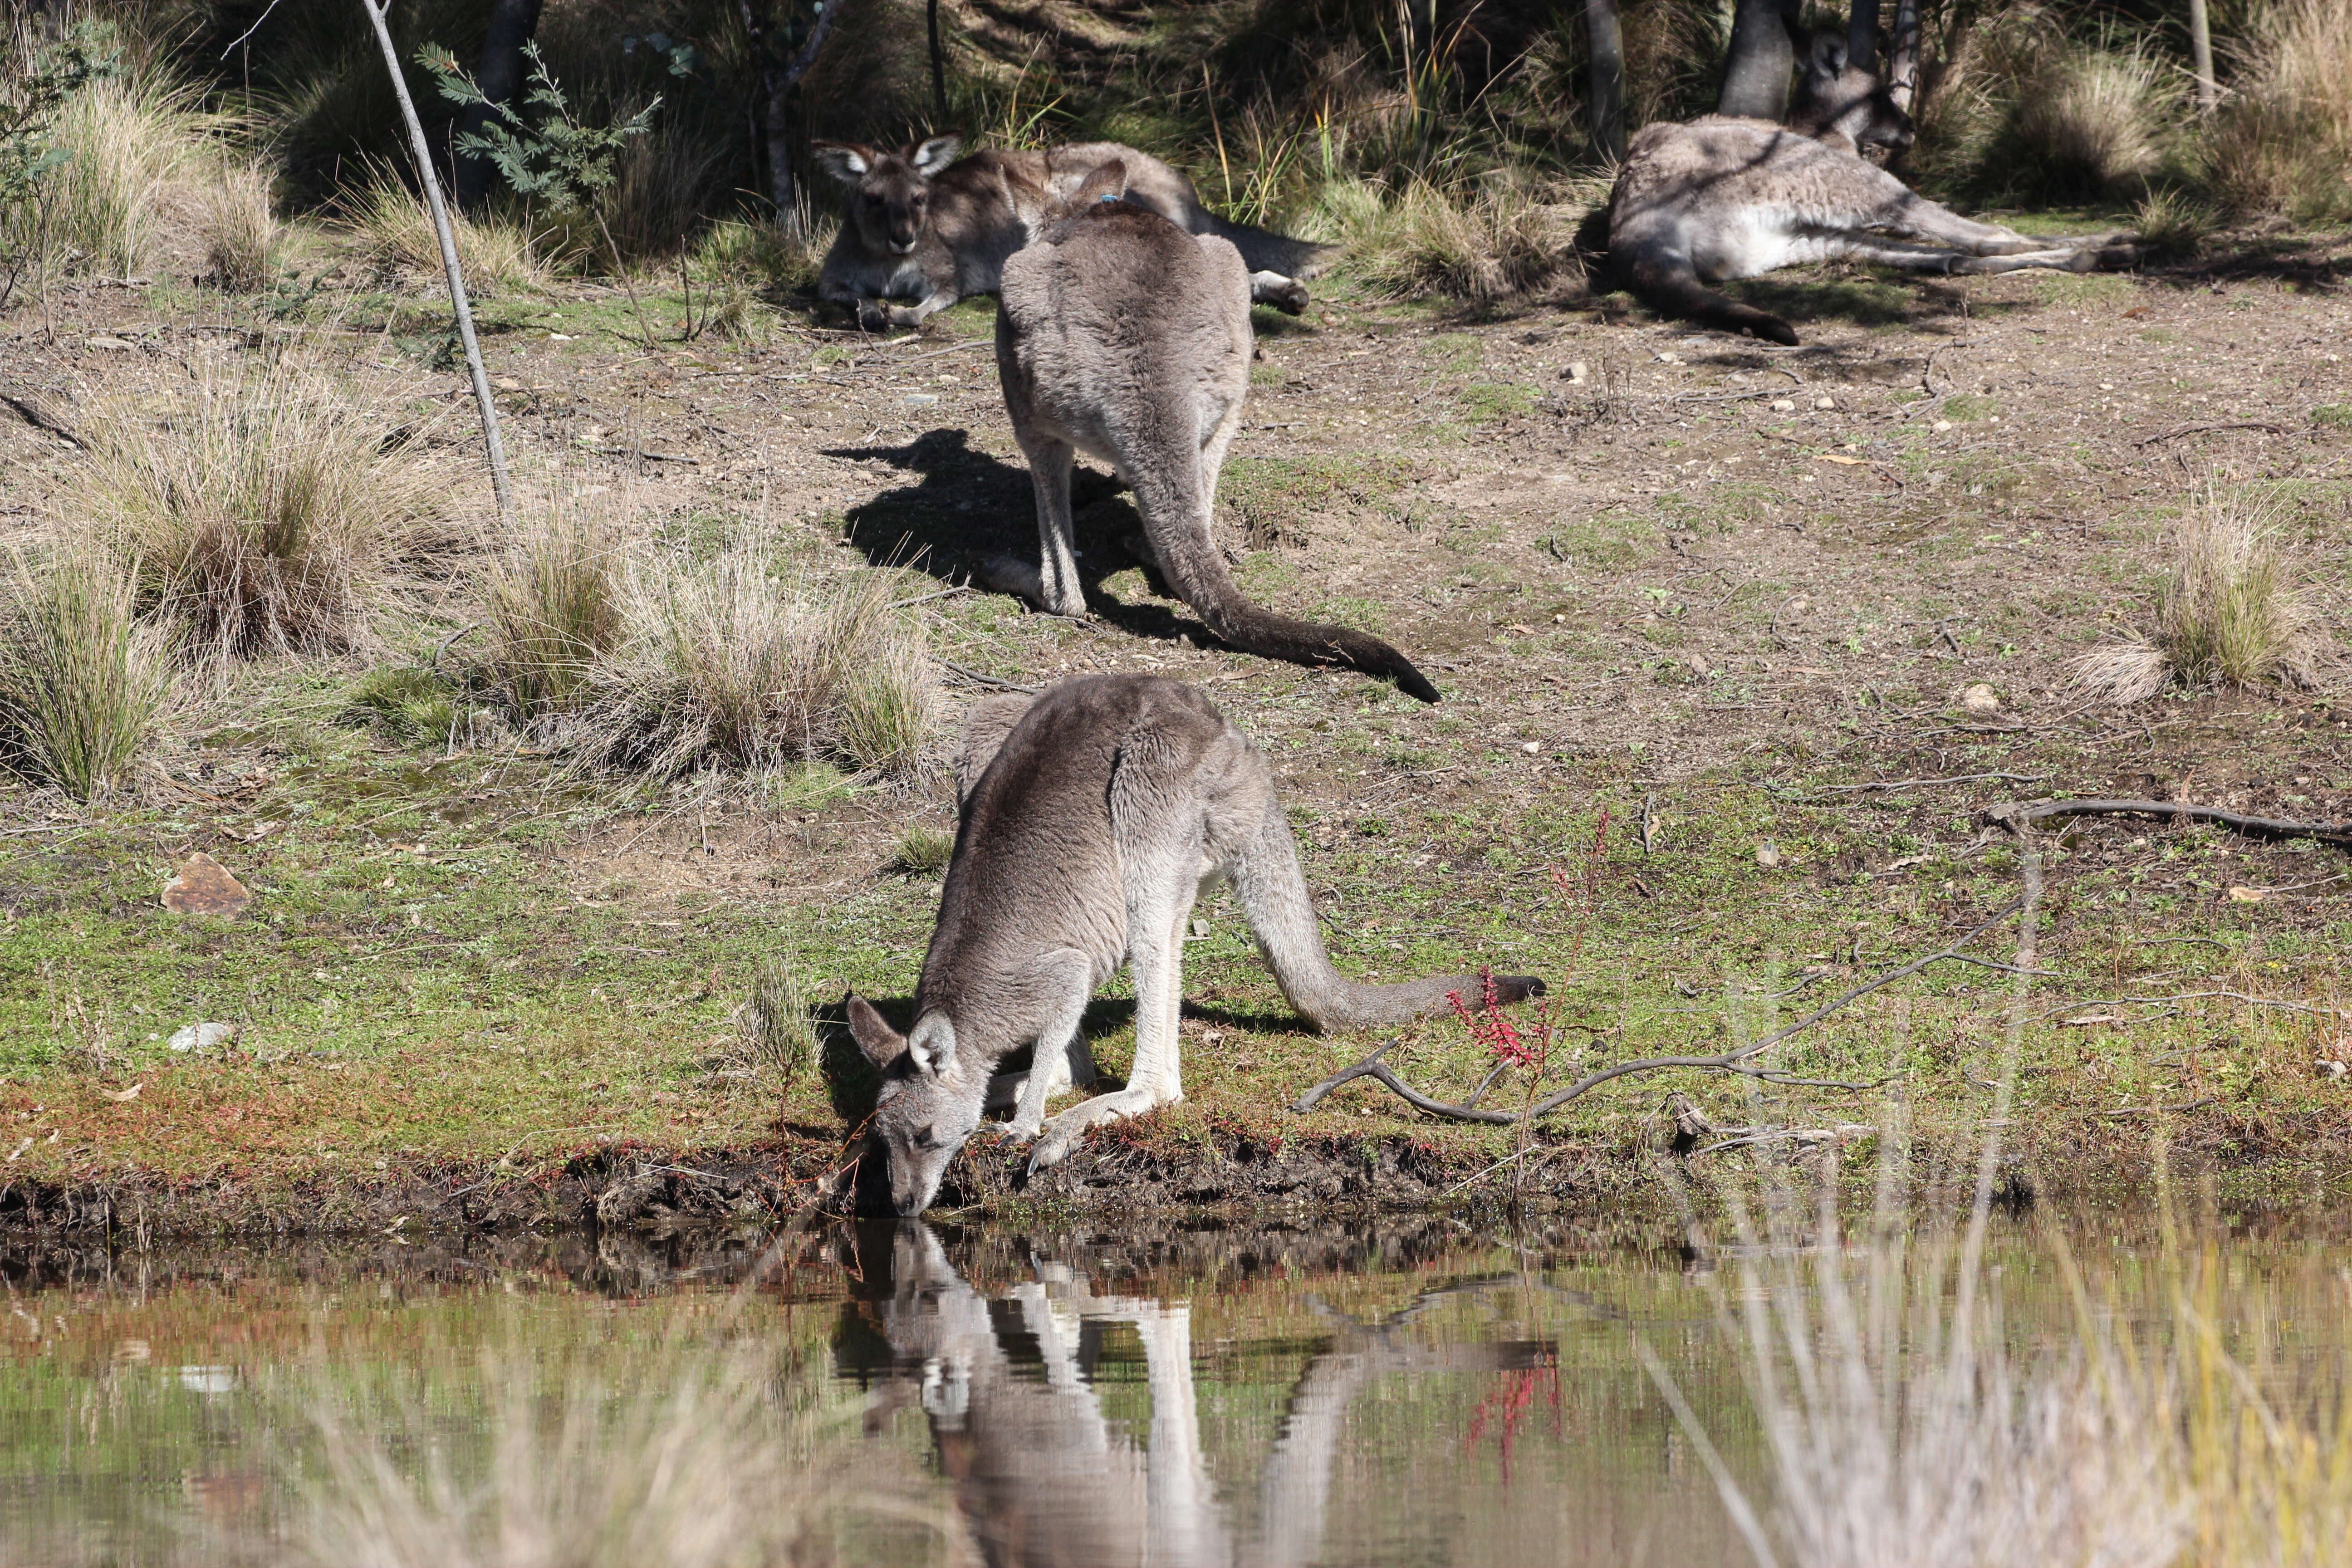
1767	854
2237	893
1699	665
104	340
201	1037
2333	1068
1940	426
1578	371
920	399
1825	401
1666	358
1531	747
1784	405
204	886
1981	699
506	383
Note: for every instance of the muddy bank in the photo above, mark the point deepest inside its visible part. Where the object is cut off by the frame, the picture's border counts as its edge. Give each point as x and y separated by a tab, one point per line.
656	1190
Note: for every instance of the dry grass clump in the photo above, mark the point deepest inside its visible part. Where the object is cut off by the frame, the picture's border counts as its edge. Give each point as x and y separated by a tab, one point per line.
754	660
127	137
2232	613
2280	143
2092	120
1482	245
240	230
82	681
2171	223
258	513
395	227
551	608
685	1457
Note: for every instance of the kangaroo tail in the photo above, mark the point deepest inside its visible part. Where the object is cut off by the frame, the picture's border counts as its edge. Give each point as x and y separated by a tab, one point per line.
1198	574
1673	288
1282	917
1263	250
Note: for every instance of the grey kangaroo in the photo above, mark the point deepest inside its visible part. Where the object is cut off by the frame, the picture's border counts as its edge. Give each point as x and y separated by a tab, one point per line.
929	226
1719	197
1127	339
1092	818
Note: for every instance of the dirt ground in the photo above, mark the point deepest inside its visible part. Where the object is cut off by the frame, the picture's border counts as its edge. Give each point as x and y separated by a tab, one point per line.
1731	595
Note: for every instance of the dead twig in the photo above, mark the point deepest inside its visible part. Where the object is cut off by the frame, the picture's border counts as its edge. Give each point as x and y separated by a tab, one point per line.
2017	815
2206	429
977	678
1922	783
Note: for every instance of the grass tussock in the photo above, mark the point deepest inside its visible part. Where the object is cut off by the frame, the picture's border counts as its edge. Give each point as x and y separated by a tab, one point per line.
551	608
259	512
394	227
2094	121
126	139
1481	245
2280	143
2231	614
688	1457
922	851
2171	223
751	660
82	681
775	1038
240	229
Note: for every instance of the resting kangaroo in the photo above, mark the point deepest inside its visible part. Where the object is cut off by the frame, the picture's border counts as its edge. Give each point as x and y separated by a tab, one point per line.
1721	197
1092	818
1129	340
926	227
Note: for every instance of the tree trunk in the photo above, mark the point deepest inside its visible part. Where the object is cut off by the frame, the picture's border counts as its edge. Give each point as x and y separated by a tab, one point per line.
2200	44
1862	35
1757	67
1903	60
1606	44
772	102
938	72
500	74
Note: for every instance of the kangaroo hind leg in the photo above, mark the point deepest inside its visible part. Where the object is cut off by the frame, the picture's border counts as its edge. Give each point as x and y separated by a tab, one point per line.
1054	586
1157	957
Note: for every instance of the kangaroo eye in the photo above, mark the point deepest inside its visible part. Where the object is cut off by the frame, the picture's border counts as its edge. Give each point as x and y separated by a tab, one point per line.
926	1139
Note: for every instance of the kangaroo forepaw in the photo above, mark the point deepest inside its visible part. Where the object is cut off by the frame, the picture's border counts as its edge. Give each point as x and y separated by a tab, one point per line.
1287	295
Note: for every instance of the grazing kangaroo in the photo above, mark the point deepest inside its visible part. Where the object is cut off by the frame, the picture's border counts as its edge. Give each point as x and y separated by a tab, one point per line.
928	226
1721	197
1125	338
1092	818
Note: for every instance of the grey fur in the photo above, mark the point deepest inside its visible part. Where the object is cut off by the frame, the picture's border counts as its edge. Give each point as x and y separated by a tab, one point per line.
1719	197
920	227
1102	814
1127	339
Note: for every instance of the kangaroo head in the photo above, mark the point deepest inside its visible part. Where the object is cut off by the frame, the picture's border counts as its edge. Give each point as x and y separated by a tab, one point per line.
890	193
926	1111
1840	99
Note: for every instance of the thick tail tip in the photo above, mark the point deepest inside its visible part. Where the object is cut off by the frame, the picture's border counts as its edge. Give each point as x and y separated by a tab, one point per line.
1518	987
1413	683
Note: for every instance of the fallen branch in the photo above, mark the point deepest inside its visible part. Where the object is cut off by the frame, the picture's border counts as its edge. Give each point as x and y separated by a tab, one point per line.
2208	429
2017	815
1920	783
1738	1061
978	678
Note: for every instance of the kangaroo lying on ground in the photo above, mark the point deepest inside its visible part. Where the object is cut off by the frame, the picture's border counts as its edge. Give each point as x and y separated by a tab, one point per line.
1129	340
1092	818
924	229
1721	197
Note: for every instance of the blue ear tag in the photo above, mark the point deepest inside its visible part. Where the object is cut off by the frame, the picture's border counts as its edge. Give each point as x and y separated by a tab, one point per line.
1108	200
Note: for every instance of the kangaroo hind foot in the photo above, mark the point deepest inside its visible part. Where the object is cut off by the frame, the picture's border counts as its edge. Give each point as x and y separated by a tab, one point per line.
1287	295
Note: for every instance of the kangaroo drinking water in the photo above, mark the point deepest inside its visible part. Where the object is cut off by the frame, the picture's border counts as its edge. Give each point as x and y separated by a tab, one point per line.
929	226
1127	339
1721	197
1093	816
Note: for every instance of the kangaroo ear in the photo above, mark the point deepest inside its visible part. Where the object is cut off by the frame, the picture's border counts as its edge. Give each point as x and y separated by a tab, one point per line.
931	156
1105	183
933	1044
882	1044
845	161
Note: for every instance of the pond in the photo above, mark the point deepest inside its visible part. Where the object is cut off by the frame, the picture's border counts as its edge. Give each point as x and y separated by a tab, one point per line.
1425	1390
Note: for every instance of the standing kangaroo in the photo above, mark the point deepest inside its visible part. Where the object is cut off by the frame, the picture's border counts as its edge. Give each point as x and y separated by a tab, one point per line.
1721	197
1092	818
928	226
1127	339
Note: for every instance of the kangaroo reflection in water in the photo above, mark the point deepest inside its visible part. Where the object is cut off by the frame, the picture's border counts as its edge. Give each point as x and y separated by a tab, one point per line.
1045	1477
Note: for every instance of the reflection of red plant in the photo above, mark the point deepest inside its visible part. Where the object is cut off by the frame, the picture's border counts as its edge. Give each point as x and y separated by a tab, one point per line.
1511	1399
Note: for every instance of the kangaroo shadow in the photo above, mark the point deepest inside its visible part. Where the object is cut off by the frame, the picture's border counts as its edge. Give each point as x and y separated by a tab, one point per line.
965	506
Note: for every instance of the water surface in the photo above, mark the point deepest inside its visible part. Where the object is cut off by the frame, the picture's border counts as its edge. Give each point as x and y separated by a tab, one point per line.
1391	1392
